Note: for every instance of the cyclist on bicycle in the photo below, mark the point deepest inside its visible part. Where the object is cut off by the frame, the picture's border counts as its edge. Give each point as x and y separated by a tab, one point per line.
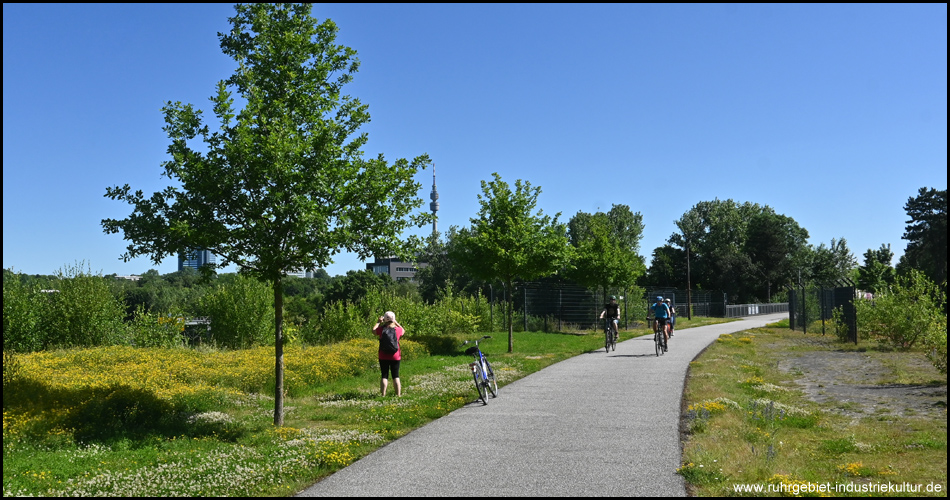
672	315
661	318
612	311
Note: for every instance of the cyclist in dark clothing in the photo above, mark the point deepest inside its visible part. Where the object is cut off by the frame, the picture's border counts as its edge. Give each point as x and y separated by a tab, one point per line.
612	311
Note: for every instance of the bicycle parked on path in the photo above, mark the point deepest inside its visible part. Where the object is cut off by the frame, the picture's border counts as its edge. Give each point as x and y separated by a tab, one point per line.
610	334
482	371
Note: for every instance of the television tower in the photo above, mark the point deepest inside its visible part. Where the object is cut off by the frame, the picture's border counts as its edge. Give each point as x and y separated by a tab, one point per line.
434	206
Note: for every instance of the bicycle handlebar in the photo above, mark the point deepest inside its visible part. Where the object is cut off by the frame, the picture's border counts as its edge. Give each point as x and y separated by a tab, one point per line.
476	340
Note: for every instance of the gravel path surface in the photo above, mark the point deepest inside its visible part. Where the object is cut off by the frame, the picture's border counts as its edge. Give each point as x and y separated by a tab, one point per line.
597	424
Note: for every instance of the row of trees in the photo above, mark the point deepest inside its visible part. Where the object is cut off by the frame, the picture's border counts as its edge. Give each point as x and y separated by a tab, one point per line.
746	250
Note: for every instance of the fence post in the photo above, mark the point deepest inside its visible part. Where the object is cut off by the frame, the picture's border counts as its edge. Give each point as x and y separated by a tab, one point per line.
792	306
625	325
524	291
491	307
560	307
804	310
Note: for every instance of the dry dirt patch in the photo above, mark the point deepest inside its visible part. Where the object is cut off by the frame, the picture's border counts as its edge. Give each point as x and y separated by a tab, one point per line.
860	384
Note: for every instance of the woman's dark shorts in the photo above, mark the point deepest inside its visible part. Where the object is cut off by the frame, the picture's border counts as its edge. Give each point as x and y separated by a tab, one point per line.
385	365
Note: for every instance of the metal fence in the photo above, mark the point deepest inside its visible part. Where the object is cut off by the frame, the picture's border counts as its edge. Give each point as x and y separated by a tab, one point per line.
813	303
563	306
569	307
740	310
702	302
712	303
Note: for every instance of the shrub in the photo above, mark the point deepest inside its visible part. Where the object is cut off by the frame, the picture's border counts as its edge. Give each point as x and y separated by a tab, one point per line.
340	321
154	330
841	330
935	341
12	372
241	313
908	312
83	313
20	316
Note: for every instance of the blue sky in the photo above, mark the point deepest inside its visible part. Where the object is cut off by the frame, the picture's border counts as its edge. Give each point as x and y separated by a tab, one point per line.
833	115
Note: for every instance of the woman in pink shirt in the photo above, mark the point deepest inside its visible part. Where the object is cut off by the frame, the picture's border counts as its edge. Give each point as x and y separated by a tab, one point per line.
389	362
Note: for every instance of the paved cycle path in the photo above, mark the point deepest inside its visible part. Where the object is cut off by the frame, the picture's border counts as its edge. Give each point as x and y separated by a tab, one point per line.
596	424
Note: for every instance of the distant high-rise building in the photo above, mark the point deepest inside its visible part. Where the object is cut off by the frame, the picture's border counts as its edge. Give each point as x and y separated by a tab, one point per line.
195	259
434	206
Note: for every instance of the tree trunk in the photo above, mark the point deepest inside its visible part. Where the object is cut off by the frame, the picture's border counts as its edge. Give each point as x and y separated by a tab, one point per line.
511	304
279	353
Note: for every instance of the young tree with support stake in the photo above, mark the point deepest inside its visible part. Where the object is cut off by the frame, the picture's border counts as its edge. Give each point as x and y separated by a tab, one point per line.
282	184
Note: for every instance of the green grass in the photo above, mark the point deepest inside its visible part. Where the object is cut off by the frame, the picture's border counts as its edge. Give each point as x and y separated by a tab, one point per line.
774	435
104	426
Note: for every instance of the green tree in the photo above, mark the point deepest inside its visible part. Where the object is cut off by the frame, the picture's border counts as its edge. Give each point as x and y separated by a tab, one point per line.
876	273
605	248
508	241
926	233
282	183
356	285
667	267
826	264
744	249
440	277
436	276
772	242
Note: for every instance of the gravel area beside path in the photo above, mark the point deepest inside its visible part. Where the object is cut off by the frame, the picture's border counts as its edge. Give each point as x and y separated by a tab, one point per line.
597	424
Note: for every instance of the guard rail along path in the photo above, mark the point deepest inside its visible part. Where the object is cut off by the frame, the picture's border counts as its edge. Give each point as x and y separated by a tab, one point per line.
546	435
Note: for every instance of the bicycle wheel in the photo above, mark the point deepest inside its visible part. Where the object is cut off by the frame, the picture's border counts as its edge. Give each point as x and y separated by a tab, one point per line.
607	339
480	384
492	383
659	345
614	337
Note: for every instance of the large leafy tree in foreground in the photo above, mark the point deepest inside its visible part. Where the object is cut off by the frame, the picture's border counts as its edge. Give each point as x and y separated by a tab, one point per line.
282	184
508	241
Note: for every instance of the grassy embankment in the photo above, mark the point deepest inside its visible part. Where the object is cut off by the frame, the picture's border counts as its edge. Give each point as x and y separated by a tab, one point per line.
747	422
166	422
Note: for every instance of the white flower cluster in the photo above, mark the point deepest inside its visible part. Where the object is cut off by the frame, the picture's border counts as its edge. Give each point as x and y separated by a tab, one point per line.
88	451
769	388
314	436
728	403
788	409
211	417
232	472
